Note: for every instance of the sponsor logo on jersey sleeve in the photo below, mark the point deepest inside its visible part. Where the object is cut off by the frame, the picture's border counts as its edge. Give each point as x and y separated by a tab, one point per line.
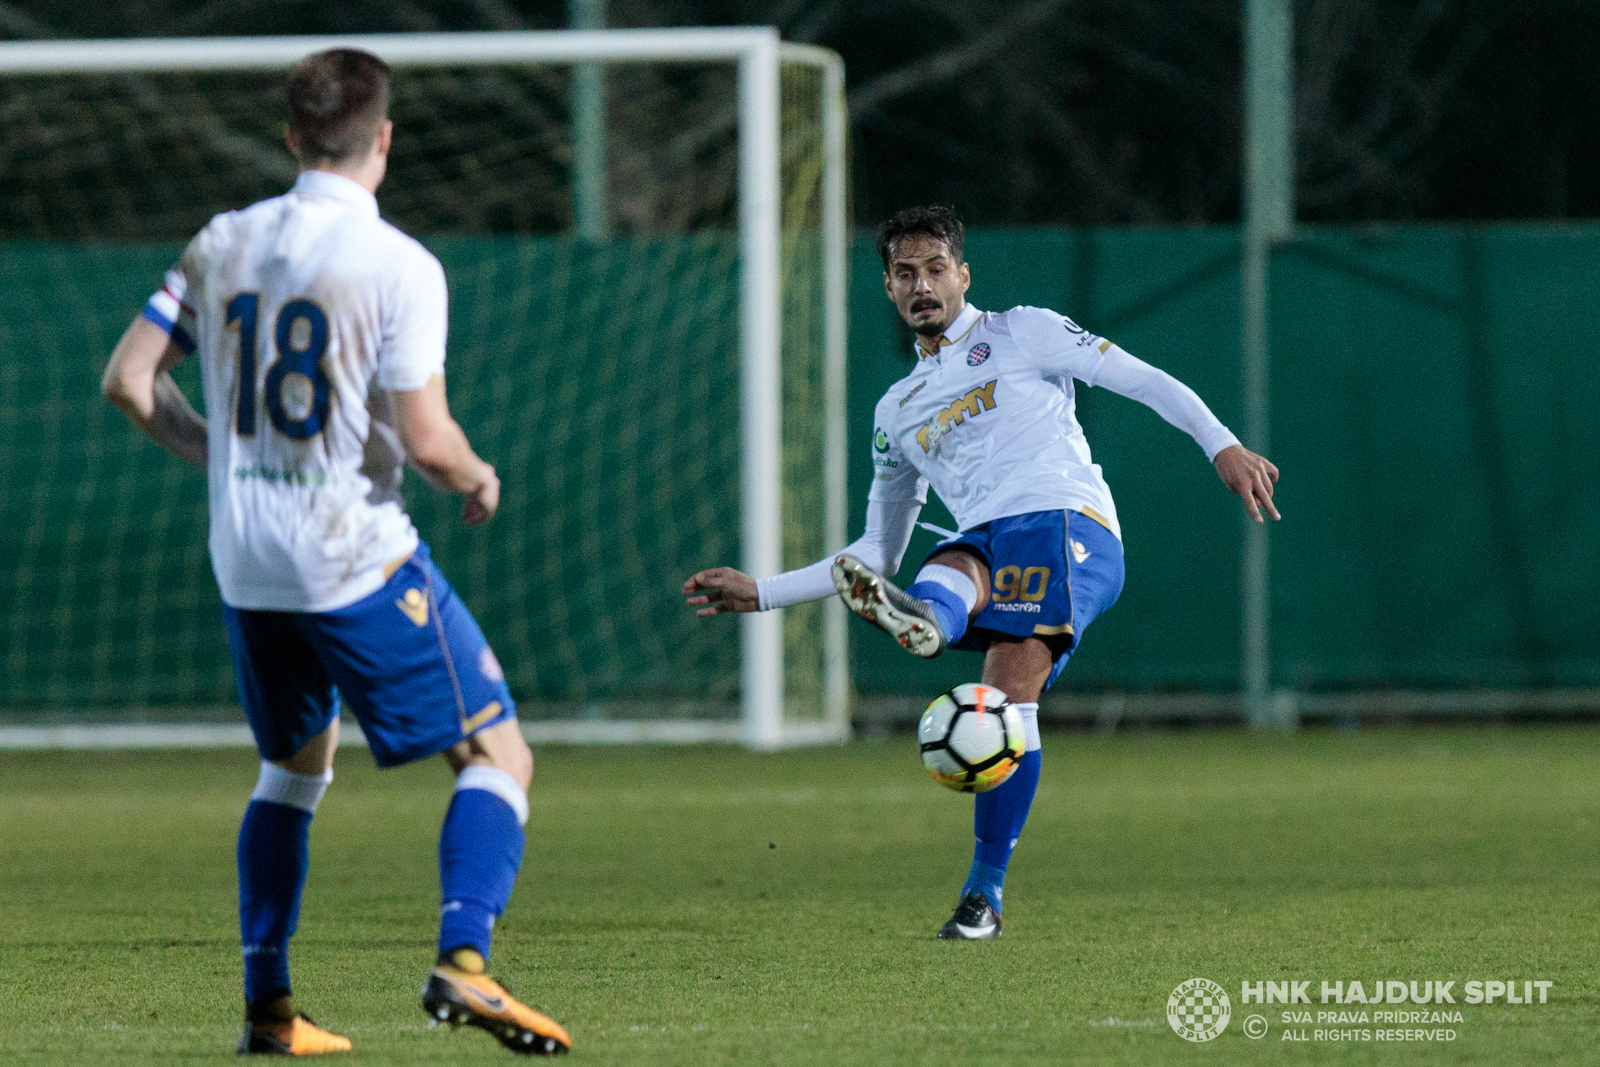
979	353
1085	338
880	441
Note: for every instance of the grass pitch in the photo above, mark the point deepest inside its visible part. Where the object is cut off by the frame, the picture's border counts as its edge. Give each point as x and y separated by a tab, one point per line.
710	906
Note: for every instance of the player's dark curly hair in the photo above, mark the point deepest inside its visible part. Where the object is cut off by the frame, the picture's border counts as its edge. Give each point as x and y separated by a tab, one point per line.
338	101
935	221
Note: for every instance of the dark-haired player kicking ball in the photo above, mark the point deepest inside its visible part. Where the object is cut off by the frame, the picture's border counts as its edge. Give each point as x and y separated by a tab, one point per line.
987	420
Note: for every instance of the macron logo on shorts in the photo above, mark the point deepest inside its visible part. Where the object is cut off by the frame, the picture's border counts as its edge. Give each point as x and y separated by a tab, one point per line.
415	606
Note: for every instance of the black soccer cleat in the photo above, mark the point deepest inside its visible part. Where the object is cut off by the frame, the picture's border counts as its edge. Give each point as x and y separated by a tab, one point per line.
974	920
460	998
888	607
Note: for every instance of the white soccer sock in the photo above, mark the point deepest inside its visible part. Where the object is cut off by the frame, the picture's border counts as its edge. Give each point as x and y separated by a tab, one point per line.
1030	725
493	780
303	791
955	581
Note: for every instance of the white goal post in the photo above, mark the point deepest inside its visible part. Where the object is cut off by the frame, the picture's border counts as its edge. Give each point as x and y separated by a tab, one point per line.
758	53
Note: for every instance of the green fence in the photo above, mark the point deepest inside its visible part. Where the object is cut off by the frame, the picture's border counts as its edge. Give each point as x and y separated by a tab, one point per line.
603	383
1433	390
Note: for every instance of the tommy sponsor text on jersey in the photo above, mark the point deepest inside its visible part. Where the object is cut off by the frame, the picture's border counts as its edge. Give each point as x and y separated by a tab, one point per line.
996	436
989	421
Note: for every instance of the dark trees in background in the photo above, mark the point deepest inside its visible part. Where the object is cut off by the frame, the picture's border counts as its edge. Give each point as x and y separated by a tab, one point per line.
1104	111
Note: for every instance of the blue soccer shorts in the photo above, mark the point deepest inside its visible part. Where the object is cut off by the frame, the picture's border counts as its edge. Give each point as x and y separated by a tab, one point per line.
1051	573
409	662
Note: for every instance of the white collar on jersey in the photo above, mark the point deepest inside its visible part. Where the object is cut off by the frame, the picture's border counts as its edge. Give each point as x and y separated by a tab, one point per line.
331	186
955	331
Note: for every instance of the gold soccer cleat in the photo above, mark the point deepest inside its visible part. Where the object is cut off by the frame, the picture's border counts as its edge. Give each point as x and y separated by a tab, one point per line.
298	1036
460	997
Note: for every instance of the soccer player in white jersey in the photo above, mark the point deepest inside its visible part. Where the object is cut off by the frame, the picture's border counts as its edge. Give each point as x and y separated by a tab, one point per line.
320	332
987	419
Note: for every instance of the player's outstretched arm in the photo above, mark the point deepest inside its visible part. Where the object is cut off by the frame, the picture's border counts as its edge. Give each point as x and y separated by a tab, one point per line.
137	381
1241	470
1251	476
438	447
881	546
721	589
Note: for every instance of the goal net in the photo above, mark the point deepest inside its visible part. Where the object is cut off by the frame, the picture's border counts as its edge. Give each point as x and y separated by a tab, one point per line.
643	233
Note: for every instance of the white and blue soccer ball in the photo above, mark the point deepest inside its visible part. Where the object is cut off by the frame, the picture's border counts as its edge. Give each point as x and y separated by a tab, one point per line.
971	738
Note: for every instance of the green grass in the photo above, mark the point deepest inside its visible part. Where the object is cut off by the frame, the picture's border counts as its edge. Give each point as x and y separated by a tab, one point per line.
655	917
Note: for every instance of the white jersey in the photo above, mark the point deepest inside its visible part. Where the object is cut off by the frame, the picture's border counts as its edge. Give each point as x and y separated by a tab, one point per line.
304	310
990	422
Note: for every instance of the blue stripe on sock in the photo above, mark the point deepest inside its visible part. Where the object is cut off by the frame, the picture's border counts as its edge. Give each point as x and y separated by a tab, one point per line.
274	854
997	820
480	850
947	608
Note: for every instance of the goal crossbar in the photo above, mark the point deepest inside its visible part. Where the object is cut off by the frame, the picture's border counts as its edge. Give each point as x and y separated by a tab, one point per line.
758	52
148	54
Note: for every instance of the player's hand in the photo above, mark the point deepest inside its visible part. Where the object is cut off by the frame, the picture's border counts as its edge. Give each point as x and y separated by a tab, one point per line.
481	504
722	589
1249	475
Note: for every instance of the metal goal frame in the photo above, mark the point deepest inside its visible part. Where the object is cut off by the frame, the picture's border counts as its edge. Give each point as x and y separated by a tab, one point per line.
758	53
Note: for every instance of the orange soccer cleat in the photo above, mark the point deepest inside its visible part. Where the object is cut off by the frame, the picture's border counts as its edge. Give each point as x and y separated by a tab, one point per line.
298	1036
456	996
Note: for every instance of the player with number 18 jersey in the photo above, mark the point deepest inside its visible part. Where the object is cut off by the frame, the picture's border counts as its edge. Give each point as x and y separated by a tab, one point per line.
304	310
320	333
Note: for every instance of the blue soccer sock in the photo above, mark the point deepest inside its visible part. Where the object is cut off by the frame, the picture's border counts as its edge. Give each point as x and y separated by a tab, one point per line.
998	817
480	850
951	595
274	854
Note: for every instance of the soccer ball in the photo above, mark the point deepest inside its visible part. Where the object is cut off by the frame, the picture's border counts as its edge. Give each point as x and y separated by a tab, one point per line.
971	738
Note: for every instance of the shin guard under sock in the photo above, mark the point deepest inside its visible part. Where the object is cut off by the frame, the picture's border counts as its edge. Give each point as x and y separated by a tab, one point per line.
480	850
274	855
999	815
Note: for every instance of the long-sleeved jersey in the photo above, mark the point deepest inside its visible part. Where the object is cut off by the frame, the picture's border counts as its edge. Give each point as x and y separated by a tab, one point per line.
989	422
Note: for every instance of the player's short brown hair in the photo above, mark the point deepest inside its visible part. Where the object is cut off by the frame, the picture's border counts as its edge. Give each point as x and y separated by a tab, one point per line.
935	221
338	101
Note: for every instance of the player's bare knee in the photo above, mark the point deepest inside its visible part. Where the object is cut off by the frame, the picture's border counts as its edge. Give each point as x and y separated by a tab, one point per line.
315	757
500	746
516	759
1019	668
504	749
